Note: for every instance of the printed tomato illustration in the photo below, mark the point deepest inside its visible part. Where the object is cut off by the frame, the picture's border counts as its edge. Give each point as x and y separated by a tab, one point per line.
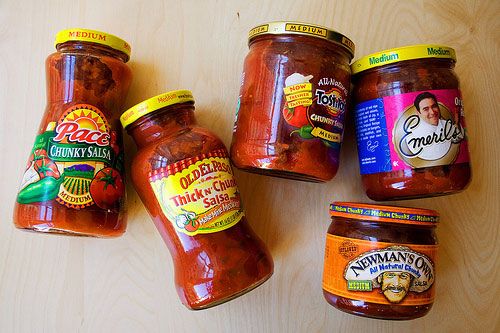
297	116
107	188
187	221
192	226
45	167
36	154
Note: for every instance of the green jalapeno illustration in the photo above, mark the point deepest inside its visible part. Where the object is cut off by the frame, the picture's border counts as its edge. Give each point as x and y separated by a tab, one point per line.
43	190
304	132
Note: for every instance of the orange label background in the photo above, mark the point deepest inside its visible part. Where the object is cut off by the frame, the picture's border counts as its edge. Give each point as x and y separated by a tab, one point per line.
335	264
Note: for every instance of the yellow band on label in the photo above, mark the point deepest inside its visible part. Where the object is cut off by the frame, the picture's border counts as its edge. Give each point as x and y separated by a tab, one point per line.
200	198
324	134
297	88
299	95
303	102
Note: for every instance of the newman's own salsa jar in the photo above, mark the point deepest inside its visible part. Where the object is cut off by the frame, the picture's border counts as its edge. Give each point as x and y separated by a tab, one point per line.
410	123
380	260
184	178
73	182
292	103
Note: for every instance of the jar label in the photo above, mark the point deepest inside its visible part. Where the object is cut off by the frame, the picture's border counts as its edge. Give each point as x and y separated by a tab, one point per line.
377	272
77	161
412	130
315	110
198	195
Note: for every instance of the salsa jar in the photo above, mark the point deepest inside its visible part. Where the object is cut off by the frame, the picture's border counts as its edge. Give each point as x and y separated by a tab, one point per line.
410	123
73	183
184	178
380	260
292	102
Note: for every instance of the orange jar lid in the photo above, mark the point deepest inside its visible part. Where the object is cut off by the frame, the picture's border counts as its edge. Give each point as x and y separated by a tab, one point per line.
380	213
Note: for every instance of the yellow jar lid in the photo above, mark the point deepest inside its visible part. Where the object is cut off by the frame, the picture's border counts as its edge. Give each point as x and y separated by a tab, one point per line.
93	36
155	103
402	53
299	28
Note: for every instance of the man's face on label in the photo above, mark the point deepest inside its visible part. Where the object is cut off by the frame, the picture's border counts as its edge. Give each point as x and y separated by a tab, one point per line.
429	111
395	285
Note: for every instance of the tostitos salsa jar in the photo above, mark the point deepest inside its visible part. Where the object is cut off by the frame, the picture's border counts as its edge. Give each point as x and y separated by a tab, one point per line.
293	99
184	178
410	123
380	260
73	182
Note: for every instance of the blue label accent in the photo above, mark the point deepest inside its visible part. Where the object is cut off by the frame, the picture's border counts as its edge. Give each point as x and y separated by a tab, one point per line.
371	132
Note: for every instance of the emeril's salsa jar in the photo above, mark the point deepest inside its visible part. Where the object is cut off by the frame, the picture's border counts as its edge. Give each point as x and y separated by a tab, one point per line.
292	103
184	178
410	123
380	260
73	181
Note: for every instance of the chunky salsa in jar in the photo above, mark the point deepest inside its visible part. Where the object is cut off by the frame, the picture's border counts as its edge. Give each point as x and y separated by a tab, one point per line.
410	123
380	260
73	181
293	100
184	178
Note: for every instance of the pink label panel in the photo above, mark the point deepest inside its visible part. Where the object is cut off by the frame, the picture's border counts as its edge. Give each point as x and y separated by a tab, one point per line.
425	128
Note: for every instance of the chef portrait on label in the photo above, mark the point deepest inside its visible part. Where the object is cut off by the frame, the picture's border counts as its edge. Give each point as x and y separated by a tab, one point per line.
429	131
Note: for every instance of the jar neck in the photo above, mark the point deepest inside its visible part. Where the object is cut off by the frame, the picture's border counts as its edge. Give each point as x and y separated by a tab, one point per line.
304	40
162	124
97	49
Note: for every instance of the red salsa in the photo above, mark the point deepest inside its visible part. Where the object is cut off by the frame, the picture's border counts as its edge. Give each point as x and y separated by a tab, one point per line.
184	178
410	123
73	181
293	100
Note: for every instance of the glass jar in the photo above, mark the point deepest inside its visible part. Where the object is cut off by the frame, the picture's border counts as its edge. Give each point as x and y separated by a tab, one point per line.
293	98
73	181
410	123
184	178
380	260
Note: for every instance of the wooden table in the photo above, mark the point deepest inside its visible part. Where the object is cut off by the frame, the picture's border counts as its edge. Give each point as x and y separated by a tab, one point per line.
62	284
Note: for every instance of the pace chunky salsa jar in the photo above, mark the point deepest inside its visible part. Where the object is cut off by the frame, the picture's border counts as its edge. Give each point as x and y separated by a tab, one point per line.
410	123
73	181
292	103
184	178
380	260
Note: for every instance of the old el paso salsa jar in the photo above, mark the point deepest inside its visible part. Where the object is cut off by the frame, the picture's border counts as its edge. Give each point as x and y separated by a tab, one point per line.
410	123
380	260
292	103
73	181
184	178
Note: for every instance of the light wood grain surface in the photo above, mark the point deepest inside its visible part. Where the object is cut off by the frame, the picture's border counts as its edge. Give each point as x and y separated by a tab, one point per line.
62	284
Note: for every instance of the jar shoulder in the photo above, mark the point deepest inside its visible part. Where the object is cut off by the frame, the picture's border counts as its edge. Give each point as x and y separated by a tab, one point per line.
187	143
403	78
383	232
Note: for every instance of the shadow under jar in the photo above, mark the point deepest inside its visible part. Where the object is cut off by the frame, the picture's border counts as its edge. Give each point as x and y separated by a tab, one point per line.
184	178
410	123
292	103
380	260
73	183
